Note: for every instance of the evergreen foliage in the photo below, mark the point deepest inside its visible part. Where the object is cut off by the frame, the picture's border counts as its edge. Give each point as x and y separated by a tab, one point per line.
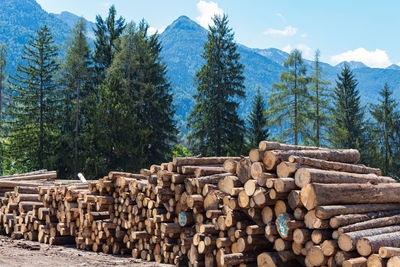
134	121
348	121
107	33
320	102
386	115
257	121
76	79
3	63
32	105
216	128
289	100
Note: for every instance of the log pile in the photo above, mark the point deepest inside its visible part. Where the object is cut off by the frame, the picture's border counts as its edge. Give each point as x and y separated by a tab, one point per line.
283	205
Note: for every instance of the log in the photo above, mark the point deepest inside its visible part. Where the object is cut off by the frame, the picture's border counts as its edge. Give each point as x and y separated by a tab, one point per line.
294	199
334	166
376	261
273	158
356	262
243	170
388	252
326	212
348	241
257	169
230	166
313	195
256	155
179	161
316	257
347	219
268	145
306	176
301	236
287	169
393	261
284	185
329	247
371	244
373	223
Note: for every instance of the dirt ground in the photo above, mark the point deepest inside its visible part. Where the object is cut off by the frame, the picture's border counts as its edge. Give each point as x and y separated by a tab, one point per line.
22	253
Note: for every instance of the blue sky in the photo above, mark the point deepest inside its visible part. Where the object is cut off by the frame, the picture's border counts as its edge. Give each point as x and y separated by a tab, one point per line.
366	31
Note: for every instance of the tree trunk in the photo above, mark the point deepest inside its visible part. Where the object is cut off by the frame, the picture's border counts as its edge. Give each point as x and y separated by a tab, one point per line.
326	212
334	166
313	195
273	158
371	244
306	176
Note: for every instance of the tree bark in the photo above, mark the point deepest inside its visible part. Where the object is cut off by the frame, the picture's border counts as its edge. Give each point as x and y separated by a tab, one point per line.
313	195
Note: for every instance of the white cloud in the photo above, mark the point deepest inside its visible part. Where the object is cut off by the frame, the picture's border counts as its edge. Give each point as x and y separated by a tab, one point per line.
305	50
304	35
287	31
282	17
375	59
107	4
153	30
207	11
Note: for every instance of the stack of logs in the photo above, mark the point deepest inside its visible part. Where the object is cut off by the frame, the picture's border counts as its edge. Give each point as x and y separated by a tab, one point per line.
283	205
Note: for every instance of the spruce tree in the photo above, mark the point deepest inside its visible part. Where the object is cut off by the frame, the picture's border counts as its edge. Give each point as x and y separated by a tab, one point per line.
257	130
32	104
77	74
107	32
348	122
135	104
3	63
289	100
216	128
386	115
319	104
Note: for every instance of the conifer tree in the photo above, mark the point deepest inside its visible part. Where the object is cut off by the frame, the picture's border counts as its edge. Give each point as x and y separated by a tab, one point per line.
348	121
3	63
107	32
289	100
319	104
386	115
135	104
257	121
33	101
77	74
216	128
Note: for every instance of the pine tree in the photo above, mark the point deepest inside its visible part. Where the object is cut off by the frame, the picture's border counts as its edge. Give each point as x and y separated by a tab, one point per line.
3	63
386	115
257	130
107	32
289	100
32	104
216	128
320	104
135	104
348	122
77	77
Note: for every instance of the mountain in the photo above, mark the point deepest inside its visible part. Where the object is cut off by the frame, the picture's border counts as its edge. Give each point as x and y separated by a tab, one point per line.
393	67
352	64
70	19
183	43
19	19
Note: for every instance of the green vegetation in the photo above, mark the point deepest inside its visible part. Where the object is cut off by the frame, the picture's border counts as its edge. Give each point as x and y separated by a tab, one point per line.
386	119
320	102
216	128
112	108
32	105
257	122
76	81
289	100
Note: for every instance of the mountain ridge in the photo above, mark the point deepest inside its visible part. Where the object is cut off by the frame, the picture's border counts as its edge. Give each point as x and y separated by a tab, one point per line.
182	43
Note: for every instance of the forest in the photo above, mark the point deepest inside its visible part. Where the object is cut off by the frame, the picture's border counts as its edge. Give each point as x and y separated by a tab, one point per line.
110	107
